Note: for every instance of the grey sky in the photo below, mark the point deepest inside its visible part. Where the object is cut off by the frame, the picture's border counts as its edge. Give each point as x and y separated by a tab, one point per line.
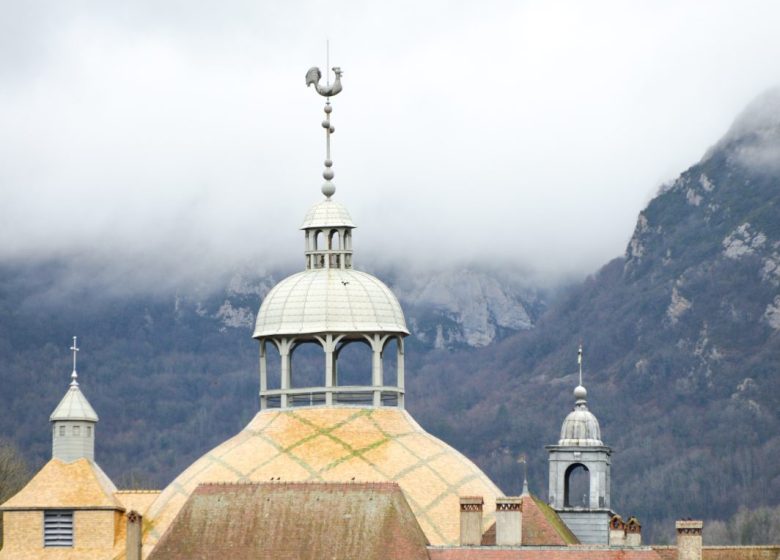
181	135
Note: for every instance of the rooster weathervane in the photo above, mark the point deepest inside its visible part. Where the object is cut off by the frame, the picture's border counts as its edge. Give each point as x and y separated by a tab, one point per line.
313	76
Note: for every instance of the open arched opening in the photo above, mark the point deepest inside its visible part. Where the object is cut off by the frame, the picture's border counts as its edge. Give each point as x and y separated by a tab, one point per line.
334	240
317	242
576	486
352	367
273	365
390	361
306	370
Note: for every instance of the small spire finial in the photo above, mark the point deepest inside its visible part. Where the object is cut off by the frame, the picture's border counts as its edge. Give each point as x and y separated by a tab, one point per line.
74	375
522	460
313	77
580	393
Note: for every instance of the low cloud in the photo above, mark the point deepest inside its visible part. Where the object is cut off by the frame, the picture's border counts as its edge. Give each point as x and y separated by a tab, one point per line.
162	145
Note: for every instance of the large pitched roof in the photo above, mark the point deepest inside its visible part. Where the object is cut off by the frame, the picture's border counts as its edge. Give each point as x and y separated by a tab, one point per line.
541	526
78	484
294	521
339	444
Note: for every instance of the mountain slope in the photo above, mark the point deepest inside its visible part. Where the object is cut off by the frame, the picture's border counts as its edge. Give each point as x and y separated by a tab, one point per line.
682	348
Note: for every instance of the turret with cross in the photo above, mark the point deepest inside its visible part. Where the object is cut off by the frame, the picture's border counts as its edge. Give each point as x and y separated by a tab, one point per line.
73	421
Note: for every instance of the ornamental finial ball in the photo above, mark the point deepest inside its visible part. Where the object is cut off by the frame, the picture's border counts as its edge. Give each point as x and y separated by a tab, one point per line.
580	392
328	188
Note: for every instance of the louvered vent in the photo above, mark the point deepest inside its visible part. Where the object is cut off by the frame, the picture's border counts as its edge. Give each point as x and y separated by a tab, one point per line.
57	528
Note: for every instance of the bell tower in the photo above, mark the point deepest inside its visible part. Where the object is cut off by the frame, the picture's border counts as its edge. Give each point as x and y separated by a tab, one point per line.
579	475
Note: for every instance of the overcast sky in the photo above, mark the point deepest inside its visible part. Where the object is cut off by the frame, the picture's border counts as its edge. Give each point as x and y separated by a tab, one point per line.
180	135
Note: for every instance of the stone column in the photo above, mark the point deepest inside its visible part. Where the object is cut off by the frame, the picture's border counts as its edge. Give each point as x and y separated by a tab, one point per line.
263	376
376	341
399	342
471	520
509	521
285	345
689	539
329	344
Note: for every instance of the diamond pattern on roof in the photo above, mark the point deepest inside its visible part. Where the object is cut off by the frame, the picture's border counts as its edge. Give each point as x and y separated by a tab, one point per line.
339	444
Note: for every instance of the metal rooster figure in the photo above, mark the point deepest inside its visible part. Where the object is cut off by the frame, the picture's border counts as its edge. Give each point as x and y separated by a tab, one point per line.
313	76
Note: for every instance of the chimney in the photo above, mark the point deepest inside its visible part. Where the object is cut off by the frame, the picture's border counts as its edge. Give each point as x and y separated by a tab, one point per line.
617	531
633	532
689	539
133	536
471	520
509	521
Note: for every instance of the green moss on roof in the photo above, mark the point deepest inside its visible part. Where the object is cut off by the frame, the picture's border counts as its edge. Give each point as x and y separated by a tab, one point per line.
556	521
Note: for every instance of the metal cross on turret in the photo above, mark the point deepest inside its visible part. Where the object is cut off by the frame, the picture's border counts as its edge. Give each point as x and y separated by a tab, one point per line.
74	375
313	77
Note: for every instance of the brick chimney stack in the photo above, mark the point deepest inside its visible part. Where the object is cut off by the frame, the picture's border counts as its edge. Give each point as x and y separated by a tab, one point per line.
509	521
133	538
689	539
617	531
633	532
471	520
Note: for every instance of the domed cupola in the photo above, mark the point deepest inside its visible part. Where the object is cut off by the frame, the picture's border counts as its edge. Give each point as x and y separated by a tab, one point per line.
581	426
331	305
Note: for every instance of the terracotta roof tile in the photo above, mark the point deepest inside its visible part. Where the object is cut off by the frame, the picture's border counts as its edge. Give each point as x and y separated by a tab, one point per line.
541	526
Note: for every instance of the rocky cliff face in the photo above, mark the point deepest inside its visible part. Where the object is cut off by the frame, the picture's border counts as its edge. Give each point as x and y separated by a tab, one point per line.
445	309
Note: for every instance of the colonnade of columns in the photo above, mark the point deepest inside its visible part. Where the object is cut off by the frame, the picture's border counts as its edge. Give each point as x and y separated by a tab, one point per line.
332	345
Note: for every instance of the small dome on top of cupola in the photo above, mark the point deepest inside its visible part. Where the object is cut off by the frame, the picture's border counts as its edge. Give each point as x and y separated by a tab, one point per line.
327	213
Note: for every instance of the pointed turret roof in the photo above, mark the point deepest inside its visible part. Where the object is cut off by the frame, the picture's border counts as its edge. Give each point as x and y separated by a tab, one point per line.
74	406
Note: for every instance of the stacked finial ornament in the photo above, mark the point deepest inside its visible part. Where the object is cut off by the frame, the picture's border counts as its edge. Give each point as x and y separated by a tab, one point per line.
579	391
313	76
74	376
